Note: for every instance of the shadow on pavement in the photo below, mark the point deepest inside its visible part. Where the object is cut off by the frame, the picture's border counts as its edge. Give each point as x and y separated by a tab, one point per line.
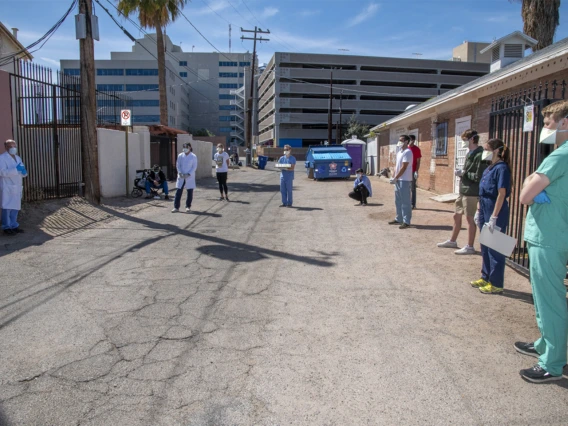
433	227
252	187
226	253
519	295
306	209
198	213
3	419
433	210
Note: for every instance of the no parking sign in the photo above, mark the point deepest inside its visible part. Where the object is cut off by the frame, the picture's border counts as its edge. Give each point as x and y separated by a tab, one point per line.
125	117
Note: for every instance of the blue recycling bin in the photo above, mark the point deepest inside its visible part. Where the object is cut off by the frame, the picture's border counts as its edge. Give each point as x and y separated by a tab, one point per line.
262	160
328	161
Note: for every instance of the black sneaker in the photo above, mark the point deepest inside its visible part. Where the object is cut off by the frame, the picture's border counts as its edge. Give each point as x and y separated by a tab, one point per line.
537	374
167	197
148	197
227	198
526	349
282	205
404	226
394	222
9	232
18	230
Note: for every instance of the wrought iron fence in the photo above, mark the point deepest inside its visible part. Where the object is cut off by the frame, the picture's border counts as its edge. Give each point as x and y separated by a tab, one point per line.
46	108
506	123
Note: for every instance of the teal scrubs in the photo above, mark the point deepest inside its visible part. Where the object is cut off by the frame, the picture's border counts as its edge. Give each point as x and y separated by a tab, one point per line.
287	181
546	232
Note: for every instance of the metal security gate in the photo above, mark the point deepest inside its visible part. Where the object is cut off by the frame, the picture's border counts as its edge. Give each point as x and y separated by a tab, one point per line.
506	123
46	128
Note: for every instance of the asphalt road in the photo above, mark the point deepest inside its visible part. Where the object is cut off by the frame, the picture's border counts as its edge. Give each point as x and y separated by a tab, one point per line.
244	313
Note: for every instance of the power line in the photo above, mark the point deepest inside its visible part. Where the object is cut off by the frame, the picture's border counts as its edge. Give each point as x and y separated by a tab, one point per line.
260	23
215	12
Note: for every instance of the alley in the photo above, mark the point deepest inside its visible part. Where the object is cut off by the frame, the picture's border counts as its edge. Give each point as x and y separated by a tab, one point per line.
244	313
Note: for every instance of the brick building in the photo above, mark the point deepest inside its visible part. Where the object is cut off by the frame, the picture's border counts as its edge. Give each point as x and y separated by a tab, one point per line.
439	122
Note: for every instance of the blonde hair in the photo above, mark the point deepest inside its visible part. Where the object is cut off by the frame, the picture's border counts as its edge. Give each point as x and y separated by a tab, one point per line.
558	110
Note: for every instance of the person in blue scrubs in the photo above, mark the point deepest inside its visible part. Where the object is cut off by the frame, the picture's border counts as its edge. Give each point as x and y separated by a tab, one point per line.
361	188
287	176
493	211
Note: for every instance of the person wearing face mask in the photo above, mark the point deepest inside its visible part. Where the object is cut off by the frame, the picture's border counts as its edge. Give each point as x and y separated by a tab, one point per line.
222	161
186	166
287	176
546	234
361	188
493	211
156	179
402	181
12	170
466	203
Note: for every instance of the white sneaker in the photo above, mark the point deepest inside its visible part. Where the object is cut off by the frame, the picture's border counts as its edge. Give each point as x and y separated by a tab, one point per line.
157	197
448	244
187	209
465	250
174	210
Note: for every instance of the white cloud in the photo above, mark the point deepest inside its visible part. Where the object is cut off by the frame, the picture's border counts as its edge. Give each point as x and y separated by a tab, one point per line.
214	7
50	61
308	13
365	14
269	12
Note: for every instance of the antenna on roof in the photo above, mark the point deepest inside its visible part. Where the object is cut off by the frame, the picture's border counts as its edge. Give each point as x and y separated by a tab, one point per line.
230	29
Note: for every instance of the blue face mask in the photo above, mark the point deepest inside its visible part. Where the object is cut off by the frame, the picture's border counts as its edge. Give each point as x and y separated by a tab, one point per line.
13	151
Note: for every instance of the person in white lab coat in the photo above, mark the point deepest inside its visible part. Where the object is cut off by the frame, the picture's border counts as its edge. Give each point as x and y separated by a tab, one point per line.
186	166
12	170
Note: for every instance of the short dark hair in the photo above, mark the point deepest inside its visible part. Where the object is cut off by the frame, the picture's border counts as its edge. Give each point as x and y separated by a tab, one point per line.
412	137
405	137
359	170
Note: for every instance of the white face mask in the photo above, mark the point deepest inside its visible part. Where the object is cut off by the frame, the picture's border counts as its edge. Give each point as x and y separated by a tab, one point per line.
186	150
400	144
13	151
219	149
487	156
359	175
548	136
465	143
286	153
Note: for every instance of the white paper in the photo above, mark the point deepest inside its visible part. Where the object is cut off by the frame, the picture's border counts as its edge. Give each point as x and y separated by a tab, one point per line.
528	118
497	241
283	166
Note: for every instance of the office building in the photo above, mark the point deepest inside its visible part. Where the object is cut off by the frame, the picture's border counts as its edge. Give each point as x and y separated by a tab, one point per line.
470	51
294	91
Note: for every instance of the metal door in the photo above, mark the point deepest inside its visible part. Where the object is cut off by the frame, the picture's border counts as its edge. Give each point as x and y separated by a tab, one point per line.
462	124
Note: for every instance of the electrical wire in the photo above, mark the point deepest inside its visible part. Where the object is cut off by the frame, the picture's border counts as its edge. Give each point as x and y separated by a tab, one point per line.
5	60
272	34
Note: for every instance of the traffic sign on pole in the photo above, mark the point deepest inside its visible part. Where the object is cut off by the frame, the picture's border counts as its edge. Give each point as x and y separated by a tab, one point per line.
125	117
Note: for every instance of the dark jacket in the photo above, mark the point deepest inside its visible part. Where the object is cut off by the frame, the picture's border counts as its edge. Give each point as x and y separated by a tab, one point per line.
161	177
472	172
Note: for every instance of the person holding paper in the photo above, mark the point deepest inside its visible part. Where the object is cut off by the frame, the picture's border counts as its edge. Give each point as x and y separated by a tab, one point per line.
546	234
493	212
222	160
287	176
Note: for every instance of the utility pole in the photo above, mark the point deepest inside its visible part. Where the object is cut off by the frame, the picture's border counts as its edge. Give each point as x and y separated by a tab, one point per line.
89	146
329	125
248	135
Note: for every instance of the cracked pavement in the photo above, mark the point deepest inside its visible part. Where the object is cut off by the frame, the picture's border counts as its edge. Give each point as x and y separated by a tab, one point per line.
244	313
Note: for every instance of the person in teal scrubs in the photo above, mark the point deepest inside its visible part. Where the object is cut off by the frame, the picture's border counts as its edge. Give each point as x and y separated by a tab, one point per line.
546	234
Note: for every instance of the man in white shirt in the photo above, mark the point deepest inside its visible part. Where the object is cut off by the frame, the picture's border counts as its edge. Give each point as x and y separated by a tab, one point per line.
402	182
186	166
222	168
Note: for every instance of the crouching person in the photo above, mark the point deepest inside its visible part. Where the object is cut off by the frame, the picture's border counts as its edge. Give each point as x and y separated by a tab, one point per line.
156	179
361	188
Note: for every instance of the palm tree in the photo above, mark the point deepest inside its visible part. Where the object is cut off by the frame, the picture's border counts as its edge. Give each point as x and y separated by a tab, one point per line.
540	18
156	14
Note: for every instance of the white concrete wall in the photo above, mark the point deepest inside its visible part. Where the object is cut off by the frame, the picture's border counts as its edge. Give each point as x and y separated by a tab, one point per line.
204	152
112	164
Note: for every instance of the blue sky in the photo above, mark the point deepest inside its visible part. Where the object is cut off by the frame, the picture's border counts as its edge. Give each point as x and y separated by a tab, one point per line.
399	28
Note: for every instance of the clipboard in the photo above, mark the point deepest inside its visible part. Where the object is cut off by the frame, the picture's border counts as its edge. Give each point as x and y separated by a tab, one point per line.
282	166
497	241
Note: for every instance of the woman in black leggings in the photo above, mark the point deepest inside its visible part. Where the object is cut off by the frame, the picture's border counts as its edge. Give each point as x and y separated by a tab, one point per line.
222	168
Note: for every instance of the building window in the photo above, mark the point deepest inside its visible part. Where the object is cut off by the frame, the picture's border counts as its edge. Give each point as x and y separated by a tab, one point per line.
145	118
110	87
442	139
183	63
110	71
241	75
183	74
141	71
72	71
226	118
244	64
227	97
225	129
228	86
228	64
228	74
141	87
227	107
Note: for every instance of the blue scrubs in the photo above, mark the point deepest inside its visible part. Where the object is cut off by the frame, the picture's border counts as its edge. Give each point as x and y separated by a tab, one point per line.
286	180
494	178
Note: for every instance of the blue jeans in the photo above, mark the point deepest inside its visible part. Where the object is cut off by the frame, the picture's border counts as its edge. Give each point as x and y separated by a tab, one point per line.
150	185
10	219
402	199
286	191
188	200
493	267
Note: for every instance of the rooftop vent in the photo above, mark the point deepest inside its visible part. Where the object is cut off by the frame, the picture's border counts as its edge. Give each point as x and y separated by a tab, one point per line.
509	49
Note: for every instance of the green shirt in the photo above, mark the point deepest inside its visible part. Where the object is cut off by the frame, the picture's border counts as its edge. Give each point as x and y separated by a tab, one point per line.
547	224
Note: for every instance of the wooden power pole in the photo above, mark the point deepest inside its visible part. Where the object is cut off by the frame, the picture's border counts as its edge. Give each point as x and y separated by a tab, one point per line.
89	146
248	135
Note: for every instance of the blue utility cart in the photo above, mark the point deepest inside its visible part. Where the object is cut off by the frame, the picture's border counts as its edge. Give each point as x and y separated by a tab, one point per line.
328	161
